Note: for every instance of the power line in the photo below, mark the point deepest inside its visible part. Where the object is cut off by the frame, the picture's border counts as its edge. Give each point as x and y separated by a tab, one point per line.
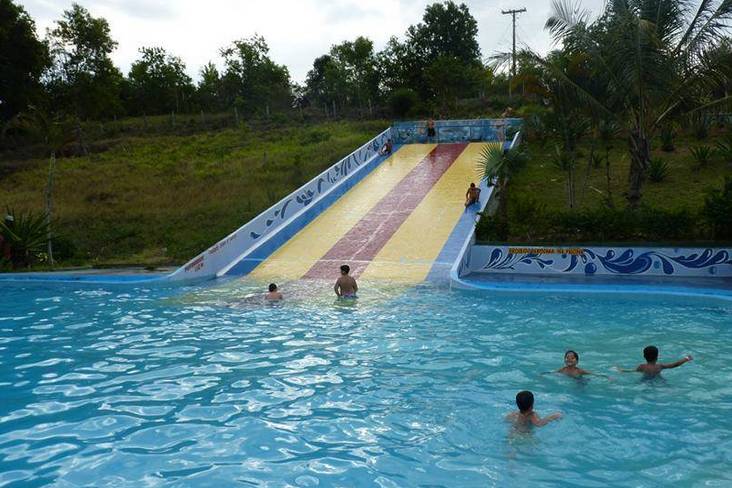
513	13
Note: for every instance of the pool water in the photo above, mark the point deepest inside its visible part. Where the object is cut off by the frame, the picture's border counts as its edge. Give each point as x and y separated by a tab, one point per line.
129	386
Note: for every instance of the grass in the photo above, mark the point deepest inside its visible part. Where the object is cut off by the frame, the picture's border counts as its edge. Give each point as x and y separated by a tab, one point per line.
684	187
160	199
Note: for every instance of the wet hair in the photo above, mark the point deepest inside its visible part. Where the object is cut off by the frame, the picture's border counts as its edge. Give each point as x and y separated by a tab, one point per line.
650	353
472	185
272	287
525	400
572	352
345	269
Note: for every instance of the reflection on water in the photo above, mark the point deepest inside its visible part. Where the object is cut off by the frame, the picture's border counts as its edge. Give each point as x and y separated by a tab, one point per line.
404	387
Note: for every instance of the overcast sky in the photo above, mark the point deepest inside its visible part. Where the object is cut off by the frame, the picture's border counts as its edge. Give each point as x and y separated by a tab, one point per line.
297	31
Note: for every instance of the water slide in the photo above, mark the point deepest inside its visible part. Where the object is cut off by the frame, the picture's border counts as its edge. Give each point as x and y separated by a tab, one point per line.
399	217
393	225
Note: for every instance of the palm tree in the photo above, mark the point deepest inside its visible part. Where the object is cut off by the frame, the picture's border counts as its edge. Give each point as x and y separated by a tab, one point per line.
649	55
497	166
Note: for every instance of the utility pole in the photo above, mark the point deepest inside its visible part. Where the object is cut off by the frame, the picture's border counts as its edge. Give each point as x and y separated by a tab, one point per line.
513	55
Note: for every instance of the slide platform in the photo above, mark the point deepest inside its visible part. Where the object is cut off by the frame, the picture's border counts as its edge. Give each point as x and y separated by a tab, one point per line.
399	223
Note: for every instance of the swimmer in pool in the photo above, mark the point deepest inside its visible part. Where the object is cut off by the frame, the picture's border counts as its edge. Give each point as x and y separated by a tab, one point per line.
652	369
273	294
526	417
345	286
570	368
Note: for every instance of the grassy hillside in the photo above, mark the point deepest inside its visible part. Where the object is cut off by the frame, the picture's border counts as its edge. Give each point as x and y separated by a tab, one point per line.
160	199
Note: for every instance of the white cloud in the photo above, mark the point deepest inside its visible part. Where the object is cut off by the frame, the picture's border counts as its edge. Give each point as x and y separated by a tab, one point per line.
297	31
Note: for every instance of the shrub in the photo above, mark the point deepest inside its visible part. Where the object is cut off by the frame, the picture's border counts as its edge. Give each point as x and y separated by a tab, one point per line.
658	170
702	155
700	126
724	148
27	237
718	210
667	138
402	101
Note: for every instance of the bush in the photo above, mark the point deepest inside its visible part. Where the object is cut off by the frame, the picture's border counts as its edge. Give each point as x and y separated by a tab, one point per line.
724	148
718	210
702	155
667	138
658	170
700	126
531	223
402	101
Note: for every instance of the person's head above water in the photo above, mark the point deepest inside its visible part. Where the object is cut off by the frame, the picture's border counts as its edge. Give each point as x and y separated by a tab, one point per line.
472	185
571	358
651	354
345	269
272	287
525	401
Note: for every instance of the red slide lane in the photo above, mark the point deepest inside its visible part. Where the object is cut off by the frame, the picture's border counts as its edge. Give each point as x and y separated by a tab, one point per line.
364	241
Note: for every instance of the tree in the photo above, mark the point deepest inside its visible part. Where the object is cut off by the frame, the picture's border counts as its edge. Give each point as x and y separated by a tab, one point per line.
252	81
446	39
448	30
648	55
23	58
159	82
347	75
83	80
208	91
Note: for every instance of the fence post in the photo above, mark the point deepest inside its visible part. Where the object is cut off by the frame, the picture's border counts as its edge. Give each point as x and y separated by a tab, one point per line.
236	116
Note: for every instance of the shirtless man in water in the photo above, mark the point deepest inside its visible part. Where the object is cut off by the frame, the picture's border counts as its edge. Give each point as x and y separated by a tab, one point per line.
345	286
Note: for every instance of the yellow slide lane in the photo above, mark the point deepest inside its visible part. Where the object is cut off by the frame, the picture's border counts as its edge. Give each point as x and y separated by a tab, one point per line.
299	254
412	250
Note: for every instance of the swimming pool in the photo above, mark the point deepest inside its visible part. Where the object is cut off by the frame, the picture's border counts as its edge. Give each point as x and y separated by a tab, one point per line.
134	386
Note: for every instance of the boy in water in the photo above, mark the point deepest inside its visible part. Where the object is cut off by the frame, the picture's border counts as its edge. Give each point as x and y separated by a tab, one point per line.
526	416
345	286
273	293
653	369
570	368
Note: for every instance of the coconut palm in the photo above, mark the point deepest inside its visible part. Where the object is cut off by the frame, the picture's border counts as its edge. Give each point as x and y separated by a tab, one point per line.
649	55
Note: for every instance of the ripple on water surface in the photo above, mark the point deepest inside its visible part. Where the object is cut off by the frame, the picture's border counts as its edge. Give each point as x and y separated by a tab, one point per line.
408	387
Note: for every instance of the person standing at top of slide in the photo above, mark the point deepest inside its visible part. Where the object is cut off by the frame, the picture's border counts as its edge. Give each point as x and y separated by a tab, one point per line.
430	130
345	286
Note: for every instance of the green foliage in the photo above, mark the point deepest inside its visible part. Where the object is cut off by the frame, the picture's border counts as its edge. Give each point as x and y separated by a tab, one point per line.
402	101
22	58
646	66
180	191
658	170
718	210
667	138
702	155
27	235
159	83
347	75
700	125
251	80
83	80
724	148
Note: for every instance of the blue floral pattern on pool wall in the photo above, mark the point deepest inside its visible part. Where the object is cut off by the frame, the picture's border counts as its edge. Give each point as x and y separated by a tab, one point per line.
599	261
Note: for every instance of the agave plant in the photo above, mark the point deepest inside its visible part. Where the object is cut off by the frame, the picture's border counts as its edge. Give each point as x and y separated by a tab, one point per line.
724	148
27	235
702	155
658	170
667	138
